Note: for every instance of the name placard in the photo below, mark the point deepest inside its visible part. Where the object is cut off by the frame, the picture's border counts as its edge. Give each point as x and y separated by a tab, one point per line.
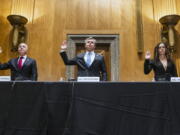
5	78
88	79
175	79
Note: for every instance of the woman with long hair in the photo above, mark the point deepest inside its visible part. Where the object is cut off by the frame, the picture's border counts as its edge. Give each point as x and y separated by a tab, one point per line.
162	64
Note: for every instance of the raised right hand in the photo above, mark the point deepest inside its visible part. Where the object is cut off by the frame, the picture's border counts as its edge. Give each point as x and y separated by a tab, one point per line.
64	45
0	49
148	55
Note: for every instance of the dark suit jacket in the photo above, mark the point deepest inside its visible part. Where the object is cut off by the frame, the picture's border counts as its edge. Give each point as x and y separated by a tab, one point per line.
97	68
28	71
160	73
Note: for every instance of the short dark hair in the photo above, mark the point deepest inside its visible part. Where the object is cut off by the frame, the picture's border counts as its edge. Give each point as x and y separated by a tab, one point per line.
90	38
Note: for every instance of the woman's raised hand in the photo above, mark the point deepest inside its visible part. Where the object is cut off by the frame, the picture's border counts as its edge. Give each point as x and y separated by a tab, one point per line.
147	55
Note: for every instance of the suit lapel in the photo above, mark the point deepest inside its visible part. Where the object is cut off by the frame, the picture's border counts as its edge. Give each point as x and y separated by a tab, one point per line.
84	63
162	66
95	59
81	62
15	63
25	62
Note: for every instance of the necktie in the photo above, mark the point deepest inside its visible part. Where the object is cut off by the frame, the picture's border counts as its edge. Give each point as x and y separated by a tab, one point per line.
20	62
88	61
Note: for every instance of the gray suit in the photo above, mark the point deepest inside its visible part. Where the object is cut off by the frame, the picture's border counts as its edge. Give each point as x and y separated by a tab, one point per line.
28	71
97	67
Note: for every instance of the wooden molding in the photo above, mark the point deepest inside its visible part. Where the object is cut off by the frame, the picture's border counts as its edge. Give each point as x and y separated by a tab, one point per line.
139	27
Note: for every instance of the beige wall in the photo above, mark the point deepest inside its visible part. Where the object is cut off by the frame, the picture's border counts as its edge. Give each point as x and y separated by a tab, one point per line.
51	20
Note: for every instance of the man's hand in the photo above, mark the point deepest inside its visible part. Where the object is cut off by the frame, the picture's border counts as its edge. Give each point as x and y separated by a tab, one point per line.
148	55
63	46
1	50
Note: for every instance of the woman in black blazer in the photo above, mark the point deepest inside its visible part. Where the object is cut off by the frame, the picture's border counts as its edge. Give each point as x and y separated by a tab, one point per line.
162	65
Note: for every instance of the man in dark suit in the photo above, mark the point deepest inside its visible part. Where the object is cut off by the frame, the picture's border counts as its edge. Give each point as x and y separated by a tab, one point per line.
22	67
89	63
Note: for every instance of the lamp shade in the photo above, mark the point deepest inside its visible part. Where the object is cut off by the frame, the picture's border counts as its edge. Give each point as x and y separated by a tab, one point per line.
169	19
17	19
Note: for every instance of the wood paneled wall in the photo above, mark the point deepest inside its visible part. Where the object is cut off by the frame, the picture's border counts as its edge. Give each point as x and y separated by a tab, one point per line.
51	20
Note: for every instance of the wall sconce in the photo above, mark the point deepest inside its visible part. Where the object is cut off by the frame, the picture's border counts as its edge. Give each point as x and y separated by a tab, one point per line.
19	32
167	32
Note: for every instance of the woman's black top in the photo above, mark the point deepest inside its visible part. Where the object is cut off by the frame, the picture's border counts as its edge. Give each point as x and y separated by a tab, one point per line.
160	73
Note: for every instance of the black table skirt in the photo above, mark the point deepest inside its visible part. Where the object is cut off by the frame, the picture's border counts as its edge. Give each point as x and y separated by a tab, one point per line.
104	108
